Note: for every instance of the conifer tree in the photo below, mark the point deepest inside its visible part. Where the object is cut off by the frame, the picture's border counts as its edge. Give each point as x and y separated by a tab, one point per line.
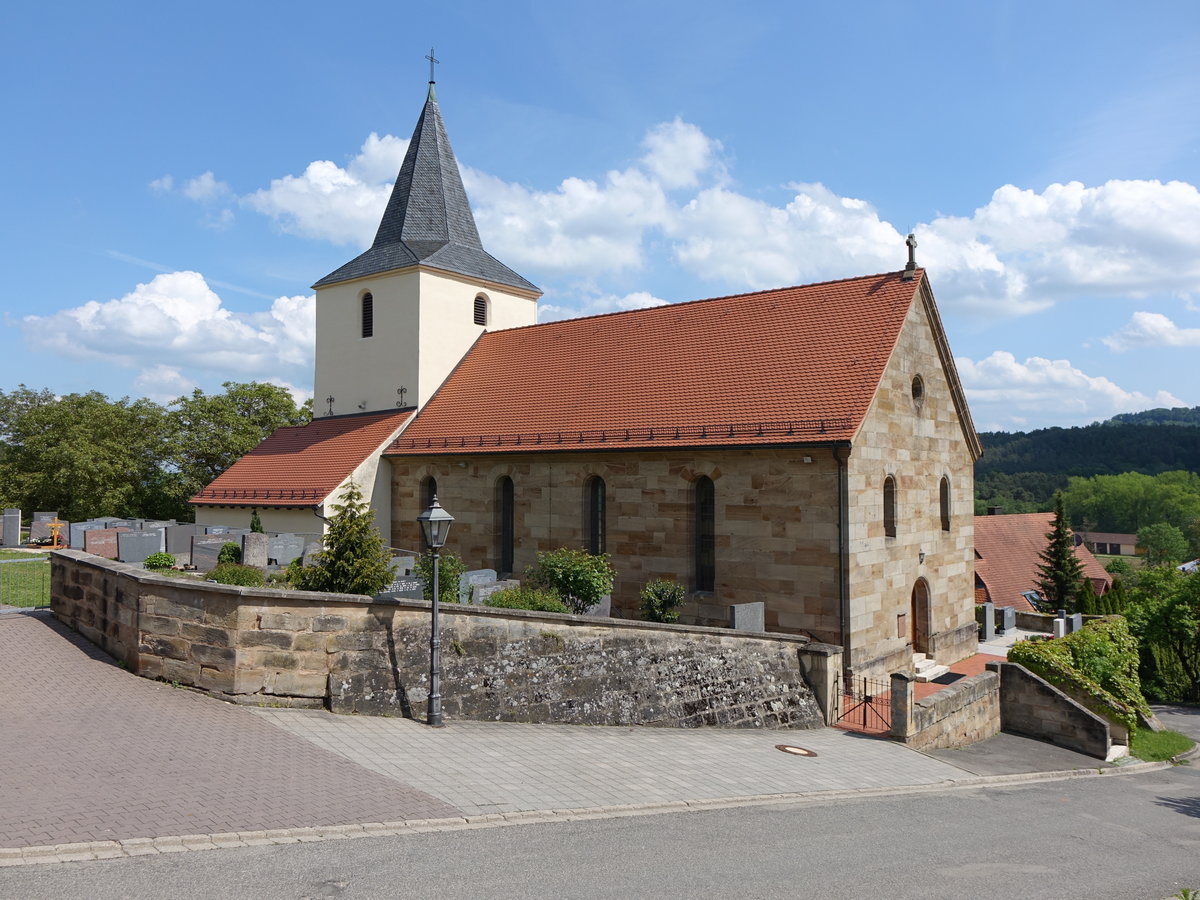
1060	574
256	526
1087	602
355	560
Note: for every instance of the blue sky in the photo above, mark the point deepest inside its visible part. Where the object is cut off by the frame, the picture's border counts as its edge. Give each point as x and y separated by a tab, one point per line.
178	176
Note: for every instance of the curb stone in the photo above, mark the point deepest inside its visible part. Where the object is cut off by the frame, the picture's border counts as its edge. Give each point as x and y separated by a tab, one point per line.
55	853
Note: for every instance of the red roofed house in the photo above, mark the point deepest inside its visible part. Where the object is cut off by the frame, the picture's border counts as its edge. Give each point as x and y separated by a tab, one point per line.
808	447
1007	555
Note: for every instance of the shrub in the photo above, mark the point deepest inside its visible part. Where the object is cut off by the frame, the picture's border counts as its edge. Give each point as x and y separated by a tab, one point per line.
159	561
450	569
230	552
526	598
354	560
236	573
1118	566
256	526
661	600
576	576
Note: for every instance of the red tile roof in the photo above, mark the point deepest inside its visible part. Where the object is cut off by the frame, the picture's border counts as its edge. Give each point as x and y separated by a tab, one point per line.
793	365
301	466
1007	552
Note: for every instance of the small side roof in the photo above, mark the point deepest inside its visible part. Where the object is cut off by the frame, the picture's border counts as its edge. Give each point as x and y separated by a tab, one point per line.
1007	551
300	466
796	365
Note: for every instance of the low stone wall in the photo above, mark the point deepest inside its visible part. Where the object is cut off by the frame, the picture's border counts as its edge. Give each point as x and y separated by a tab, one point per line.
1031	706
960	714
359	655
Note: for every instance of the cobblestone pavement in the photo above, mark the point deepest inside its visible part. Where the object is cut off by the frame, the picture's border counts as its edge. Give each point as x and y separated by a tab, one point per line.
495	767
89	752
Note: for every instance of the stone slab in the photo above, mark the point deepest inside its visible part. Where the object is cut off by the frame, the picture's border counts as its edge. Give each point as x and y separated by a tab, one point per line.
135	546
11	532
985	614
748	616
179	540
484	591
205	550
471	579
284	547
406	588
254	549
77	530
102	541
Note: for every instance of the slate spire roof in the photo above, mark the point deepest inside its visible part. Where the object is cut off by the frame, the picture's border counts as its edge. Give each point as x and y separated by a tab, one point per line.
428	219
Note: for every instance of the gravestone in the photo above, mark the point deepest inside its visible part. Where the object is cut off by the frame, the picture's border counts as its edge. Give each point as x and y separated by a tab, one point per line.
77	530
483	591
602	608
179	541
311	549
39	528
11	532
102	541
135	546
404	565
254	549
1074	622
469	580
407	588
985	614
283	548
748	616
205	550
1006	619
216	529
1060	627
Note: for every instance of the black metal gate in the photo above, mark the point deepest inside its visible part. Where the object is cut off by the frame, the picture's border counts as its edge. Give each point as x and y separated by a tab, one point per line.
866	704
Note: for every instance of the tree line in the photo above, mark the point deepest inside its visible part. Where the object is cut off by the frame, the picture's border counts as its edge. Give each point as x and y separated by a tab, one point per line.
85	455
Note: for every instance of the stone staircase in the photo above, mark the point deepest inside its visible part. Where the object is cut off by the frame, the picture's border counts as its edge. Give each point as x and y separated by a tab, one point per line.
927	669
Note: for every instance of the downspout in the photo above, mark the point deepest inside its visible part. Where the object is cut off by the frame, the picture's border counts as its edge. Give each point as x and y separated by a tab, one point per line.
843	503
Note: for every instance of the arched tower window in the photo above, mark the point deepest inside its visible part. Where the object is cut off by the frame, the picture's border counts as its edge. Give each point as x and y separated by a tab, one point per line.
706	534
481	309
889	506
595	526
944	502
368	315
505	522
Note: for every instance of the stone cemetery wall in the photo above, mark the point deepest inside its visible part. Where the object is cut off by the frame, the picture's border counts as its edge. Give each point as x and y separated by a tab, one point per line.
1032	706
358	655
960	714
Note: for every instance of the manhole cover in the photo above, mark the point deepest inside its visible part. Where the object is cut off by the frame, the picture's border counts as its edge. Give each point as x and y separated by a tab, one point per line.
795	751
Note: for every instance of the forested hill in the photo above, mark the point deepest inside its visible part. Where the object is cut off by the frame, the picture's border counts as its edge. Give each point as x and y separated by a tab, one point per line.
1180	415
1021	471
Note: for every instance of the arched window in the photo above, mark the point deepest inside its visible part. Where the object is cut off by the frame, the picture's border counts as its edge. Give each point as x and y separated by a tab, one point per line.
428	492
481	310
944	502
505	521
889	506
595	526
368	315
706	534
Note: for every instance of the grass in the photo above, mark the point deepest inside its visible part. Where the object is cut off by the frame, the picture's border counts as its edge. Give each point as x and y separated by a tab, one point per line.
1153	746
24	584
20	554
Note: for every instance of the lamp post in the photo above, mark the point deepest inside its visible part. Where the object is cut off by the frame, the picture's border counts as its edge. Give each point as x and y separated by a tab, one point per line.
435	524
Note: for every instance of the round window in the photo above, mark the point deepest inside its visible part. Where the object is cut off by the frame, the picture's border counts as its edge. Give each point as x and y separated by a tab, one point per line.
918	390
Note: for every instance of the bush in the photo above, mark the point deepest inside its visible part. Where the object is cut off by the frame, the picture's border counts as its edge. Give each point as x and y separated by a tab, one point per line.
256	526
1118	566
661	600
354	560
236	573
450	569
230	552
577	577
159	561
526	598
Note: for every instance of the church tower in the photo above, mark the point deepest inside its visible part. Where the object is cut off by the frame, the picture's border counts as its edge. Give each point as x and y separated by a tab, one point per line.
394	322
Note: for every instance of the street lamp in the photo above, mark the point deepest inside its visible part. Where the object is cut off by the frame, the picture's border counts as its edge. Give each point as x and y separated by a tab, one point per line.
435	525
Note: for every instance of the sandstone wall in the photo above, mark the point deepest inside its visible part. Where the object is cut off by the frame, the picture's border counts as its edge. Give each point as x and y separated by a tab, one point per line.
1032	706
960	714
358	655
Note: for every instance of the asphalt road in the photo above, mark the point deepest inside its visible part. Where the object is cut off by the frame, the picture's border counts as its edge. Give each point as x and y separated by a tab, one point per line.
1133	836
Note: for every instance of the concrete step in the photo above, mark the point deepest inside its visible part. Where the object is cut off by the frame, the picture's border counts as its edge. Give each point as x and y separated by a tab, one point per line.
934	672
917	657
922	665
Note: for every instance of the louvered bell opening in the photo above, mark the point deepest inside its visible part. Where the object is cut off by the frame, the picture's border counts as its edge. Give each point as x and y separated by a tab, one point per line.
480	311
368	315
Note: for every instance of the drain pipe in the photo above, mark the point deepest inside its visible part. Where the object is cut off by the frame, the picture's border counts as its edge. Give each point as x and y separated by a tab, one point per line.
843	502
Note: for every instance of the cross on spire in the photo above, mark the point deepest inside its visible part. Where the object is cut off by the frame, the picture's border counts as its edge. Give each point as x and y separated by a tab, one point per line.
911	268
432	62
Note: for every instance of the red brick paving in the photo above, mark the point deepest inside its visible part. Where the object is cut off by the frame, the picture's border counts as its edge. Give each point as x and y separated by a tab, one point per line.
89	752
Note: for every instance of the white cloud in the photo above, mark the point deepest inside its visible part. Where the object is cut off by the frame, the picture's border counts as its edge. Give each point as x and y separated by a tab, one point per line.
162	383
163	185
1006	394
606	303
678	153
175	323
335	204
1147	329
205	187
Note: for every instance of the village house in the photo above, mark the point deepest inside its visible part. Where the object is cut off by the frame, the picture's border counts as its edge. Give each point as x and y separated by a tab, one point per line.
808	447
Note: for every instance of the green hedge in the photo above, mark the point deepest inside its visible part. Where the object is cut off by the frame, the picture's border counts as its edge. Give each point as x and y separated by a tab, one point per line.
526	598
1097	664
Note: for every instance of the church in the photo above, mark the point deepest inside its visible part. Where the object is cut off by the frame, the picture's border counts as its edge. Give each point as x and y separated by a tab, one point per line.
808	447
